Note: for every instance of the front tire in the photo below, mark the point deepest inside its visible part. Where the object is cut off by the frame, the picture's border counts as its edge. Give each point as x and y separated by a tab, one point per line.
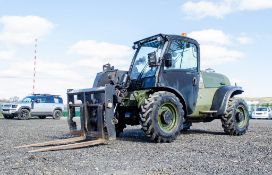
162	116
119	128
24	114
57	114
235	121
186	126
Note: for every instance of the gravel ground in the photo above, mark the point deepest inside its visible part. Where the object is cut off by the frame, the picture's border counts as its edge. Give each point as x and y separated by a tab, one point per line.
205	149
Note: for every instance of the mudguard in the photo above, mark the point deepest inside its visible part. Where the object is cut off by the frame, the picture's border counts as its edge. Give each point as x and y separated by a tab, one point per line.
222	96
58	108
187	110
24	107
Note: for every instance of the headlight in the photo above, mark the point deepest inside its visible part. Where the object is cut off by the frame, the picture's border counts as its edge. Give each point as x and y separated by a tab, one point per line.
14	106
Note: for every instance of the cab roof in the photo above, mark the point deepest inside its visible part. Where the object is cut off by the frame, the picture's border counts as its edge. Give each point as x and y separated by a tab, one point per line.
167	37
45	95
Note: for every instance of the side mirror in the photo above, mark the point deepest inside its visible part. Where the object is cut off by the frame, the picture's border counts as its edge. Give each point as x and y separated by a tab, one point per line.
152	59
135	46
167	60
32	104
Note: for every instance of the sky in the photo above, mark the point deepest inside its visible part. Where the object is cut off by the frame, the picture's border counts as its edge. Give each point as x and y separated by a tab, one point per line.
75	38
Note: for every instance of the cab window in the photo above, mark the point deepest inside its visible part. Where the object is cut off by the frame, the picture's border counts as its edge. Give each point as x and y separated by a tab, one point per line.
57	100
184	55
49	99
28	99
41	99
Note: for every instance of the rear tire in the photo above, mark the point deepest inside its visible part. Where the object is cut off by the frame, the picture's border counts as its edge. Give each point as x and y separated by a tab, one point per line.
162	116
8	116
24	114
42	117
236	119
57	114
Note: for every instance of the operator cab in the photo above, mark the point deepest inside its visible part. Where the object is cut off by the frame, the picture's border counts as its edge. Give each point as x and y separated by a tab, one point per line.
167	62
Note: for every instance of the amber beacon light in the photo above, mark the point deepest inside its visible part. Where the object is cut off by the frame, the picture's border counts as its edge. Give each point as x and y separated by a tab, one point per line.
183	34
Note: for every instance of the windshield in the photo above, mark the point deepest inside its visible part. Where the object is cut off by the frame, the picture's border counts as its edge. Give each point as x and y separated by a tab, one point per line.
28	99
261	109
140	67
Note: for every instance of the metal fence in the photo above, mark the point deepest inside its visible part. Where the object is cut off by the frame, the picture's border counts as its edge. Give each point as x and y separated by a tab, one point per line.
251	108
65	112
1	116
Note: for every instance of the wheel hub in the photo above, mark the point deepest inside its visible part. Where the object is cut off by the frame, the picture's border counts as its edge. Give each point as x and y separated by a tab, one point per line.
240	117
167	117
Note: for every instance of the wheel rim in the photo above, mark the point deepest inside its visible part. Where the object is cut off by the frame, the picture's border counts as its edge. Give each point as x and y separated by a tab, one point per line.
57	114
167	117
24	114
241	116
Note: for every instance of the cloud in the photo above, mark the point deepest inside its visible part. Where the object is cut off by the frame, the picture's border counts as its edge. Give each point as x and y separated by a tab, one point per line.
17	71
24	29
211	36
255	4
44	70
244	40
219	9
6	55
51	77
95	54
214	55
215	47
204	9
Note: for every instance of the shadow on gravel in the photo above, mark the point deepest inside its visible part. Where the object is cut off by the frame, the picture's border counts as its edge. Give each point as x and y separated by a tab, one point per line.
137	135
63	136
131	135
198	131
32	118
134	135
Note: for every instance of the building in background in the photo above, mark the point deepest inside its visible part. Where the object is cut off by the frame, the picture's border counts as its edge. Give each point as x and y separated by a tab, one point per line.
254	103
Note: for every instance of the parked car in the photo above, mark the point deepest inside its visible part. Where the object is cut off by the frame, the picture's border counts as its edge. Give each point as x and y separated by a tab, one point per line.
262	112
41	105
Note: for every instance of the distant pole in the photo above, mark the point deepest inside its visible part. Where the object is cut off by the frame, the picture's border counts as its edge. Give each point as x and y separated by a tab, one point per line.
34	70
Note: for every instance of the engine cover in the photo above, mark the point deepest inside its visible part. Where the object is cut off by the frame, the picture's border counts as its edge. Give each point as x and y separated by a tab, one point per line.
109	76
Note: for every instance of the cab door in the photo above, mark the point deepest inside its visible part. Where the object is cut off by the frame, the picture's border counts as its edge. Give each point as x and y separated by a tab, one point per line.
38	105
43	105
183	74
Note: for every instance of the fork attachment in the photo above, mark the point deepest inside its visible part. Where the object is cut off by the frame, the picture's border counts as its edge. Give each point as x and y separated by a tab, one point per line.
96	107
96	111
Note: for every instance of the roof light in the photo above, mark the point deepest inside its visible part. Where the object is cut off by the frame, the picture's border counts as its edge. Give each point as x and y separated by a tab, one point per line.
184	34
